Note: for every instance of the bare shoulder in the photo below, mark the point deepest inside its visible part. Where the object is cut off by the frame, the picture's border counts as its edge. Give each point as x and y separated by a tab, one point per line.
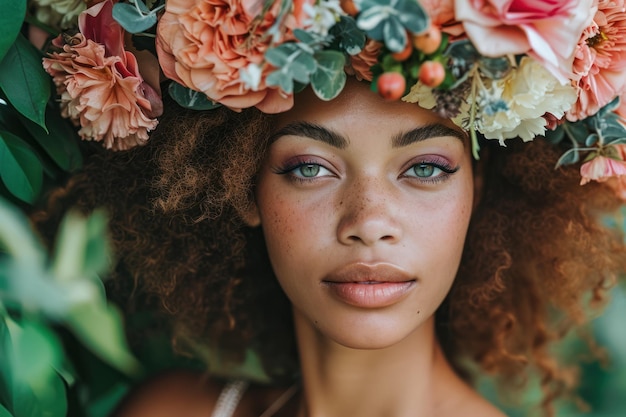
175	393
190	394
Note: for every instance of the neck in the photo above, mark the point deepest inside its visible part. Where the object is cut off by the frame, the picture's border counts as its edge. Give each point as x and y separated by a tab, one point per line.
409	378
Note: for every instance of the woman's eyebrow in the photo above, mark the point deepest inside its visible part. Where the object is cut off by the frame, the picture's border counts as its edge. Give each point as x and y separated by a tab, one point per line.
312	131
426	132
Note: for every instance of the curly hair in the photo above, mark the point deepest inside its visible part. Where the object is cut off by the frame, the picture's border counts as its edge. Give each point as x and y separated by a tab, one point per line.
537	259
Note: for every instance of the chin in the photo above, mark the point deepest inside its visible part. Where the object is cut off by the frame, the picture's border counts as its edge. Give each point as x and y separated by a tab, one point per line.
369	334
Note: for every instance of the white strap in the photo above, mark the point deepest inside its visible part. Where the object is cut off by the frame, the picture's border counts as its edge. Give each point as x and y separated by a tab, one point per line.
229	398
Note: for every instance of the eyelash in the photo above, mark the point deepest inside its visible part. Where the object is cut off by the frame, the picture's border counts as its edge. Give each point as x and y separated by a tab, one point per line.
446	170
439	163
290	168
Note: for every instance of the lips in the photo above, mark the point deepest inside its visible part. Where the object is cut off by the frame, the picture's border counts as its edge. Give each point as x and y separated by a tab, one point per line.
369	286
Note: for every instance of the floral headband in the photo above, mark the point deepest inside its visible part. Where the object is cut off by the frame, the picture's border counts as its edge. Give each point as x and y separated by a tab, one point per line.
498	69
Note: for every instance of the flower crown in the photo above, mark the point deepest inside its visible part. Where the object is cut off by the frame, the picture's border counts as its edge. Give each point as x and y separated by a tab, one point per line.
499	70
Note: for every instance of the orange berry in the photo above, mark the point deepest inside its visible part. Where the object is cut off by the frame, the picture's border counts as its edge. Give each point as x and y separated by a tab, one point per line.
391	85
432	73
429	41
404	54
349	7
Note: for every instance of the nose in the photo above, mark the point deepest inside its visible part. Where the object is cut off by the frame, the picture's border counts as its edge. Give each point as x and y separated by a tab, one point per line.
367	214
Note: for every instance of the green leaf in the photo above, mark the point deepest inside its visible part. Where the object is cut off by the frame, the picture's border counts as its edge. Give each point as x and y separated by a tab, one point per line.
24	81
132	19
351	38
16	237
32	397
394	35
20	169
4	412
11	18
571	156
81	250
191	99
60	142
99	327
329	78
36	351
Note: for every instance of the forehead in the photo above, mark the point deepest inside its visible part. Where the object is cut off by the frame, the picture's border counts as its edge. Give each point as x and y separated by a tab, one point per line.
358	106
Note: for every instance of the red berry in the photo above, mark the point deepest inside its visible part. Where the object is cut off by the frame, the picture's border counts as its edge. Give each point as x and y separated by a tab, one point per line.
429	41
432	73
349	7
404	54
391	85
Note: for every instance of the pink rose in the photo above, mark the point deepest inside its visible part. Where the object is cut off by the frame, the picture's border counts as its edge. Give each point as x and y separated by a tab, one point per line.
99	83
602	168
546	30
203	44
600	60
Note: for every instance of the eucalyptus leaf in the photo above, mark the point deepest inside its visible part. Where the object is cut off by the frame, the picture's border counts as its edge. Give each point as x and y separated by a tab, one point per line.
24	81
494	68
351	39
132	19
394	35
329	78
20	169
591	139
571	156
279	79
11	18
190	99
577	131
99	327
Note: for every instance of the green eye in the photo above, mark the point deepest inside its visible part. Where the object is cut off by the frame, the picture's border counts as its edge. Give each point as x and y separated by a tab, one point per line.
423	170
309	171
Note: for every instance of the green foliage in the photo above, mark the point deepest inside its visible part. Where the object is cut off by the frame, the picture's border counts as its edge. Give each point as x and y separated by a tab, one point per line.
24	81
136	17
11	18
389	20
42	294
189	98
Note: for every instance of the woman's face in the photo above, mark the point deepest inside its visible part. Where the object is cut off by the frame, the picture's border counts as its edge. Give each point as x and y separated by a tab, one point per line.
364	206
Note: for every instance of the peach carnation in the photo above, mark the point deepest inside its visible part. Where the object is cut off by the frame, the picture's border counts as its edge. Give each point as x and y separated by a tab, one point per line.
600	60
546	30
100	91
204	44
361	63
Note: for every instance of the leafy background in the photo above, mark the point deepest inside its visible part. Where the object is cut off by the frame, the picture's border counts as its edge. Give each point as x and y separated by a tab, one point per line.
62	346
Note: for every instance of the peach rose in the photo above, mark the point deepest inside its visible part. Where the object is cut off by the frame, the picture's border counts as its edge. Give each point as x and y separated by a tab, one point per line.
441	14
546	30
100	85
204	44
600	60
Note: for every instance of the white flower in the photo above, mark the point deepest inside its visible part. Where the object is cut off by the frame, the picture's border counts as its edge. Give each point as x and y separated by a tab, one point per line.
322	16
527	93
251	76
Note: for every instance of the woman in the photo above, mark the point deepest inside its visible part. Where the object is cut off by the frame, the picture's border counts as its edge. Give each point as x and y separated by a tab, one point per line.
399	257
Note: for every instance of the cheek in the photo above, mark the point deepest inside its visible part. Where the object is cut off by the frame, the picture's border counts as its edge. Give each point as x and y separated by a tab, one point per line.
292	232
